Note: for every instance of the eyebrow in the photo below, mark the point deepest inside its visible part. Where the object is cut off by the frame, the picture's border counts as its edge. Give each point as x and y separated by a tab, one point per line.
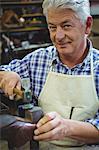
61	22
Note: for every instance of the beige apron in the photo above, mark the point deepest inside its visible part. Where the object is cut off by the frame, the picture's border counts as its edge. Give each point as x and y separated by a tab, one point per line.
72	96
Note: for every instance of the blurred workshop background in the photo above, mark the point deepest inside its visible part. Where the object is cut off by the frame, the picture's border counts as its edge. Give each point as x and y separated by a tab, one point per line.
23	29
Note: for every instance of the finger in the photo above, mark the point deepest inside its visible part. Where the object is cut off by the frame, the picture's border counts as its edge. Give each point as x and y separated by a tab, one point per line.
48	136
52	115
11	97
45	136
47	126
9	88
3	86
18	86
46	118
55	134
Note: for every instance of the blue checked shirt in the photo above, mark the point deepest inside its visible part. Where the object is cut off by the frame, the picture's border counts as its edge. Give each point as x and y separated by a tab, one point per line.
36	66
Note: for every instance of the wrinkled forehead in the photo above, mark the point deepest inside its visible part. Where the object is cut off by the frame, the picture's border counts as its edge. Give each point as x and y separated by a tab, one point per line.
55	14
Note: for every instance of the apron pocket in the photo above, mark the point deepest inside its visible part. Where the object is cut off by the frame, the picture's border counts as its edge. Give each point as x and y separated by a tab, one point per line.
84	112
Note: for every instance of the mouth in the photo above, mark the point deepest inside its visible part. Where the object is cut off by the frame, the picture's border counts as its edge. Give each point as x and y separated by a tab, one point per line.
62	45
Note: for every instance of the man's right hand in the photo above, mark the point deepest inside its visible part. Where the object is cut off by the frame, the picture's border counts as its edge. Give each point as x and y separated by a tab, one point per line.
8	81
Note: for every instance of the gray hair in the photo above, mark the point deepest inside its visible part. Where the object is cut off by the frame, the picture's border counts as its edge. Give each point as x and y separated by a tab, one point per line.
81	7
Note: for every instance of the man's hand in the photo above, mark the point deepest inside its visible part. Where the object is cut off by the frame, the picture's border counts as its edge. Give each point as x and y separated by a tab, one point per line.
8	81
51	127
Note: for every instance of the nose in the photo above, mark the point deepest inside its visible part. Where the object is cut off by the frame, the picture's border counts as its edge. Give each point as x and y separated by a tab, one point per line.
60	34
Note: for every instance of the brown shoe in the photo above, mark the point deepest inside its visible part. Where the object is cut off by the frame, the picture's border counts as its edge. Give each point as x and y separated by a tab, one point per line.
18	133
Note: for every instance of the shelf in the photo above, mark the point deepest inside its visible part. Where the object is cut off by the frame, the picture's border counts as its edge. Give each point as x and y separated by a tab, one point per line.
33	46
33	15
22	21
20	3
23	29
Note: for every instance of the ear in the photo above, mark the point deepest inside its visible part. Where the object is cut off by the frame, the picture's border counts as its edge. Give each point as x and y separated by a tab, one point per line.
89	23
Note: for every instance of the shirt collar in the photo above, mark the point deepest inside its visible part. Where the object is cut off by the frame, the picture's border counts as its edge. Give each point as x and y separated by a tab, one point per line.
55	57
56	60
88	57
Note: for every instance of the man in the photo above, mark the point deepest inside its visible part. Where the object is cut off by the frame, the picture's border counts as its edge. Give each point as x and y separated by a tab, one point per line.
64	77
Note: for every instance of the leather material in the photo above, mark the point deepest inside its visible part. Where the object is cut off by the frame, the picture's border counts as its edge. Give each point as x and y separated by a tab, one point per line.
18	133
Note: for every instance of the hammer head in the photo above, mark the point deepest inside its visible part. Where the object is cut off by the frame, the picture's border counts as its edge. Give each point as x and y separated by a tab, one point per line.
26	94
27	109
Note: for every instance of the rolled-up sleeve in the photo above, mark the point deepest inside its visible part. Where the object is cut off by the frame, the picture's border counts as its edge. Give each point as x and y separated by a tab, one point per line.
94	121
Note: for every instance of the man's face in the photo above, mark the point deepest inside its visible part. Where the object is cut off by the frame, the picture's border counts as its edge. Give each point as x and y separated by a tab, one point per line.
66	31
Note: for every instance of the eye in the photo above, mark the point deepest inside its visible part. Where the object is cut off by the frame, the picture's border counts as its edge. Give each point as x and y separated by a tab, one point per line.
52	28
67	26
